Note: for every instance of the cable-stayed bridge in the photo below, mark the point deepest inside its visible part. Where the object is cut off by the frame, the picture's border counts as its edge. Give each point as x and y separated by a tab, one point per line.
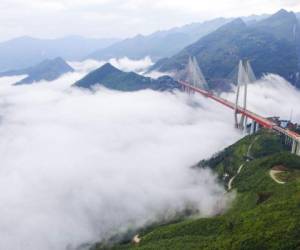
195	83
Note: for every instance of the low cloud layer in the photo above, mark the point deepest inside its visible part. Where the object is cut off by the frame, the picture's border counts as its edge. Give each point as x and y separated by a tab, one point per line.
124	64
78	167
273	96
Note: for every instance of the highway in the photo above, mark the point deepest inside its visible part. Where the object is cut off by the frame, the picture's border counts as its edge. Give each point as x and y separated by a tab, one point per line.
262	121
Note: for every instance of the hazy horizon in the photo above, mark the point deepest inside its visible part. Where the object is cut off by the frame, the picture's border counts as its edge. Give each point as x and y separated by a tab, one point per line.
102	19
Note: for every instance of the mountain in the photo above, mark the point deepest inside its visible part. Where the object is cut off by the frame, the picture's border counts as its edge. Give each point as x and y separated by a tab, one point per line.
254	18
263	215
47	70
272	46
282	25
159	44
23	52
113	78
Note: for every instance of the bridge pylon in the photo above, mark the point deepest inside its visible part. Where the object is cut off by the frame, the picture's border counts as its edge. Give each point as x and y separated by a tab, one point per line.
193	74
245	76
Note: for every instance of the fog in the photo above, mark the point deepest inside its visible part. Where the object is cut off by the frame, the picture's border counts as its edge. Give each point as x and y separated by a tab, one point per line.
124	64
80	166
273	96
157	74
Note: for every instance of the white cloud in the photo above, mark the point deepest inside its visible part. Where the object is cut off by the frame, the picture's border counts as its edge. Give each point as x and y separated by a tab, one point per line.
228	7
127	64
273	96
116	18
78	167
87	65
157	74
124	64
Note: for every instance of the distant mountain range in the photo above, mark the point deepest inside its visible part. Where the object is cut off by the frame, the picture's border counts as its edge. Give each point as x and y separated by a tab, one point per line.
24	52
47	70
113	78
272	45
159	44
165	43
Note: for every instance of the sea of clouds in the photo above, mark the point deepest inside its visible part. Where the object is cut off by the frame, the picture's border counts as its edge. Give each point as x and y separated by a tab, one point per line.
124	64
80	166
272	96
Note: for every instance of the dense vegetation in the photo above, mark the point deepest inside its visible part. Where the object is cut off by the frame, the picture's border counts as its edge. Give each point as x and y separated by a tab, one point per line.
264	215
113	78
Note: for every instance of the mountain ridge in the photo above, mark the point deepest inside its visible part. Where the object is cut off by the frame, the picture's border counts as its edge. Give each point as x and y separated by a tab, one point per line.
262	43
160	43
47	70
263	215
113	78
22	52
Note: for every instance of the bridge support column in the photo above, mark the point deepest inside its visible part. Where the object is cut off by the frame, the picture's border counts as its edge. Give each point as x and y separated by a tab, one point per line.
293	147
256	126
296	147
289	141
253	127
298	150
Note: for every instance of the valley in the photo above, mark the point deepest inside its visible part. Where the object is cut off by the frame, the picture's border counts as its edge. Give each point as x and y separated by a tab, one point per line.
264	214
163	125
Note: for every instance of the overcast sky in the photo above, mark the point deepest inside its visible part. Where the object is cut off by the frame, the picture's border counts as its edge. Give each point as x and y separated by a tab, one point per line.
119	18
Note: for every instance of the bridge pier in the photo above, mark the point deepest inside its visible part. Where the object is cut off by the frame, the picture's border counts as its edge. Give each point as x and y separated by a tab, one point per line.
291	143
254	127
241	126
285	139
288	141
296	147
298	151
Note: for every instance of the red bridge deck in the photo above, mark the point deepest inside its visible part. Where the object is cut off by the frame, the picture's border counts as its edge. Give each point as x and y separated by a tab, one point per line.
264	122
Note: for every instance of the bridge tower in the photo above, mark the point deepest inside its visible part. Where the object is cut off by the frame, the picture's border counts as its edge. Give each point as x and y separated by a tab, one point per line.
245	76
193	74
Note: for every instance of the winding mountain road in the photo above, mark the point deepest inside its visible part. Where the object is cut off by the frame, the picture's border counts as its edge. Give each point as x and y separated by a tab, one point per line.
229	186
